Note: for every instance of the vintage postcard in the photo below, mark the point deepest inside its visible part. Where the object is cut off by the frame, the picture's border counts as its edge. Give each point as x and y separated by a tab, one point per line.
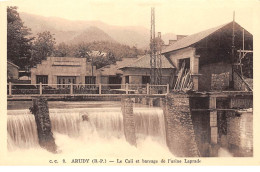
120	82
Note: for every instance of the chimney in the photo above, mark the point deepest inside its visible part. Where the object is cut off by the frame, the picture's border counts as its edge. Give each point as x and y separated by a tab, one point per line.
159	34
172	42
179	37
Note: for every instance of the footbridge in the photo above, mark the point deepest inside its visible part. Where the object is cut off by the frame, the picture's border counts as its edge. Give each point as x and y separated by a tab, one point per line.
63	91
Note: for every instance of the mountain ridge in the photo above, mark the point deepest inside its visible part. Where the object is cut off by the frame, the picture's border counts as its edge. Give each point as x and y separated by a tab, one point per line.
76	31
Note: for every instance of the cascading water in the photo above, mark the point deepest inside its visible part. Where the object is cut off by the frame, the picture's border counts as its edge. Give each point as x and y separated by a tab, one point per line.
150	122
100	132
22	131
70	122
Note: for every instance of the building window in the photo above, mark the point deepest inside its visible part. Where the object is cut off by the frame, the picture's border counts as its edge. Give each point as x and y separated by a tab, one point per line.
65	80
59	82
42	78
90	80
145	79
127	79
115	82
185	62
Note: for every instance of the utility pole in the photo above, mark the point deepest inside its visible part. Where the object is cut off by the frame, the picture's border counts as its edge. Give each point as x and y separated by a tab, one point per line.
152	48
159	59
155	55
233	49
92	78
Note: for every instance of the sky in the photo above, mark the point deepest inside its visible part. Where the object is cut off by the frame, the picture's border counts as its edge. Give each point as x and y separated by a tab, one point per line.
171	16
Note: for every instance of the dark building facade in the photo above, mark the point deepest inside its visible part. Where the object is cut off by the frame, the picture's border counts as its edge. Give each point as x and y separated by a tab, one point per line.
208	55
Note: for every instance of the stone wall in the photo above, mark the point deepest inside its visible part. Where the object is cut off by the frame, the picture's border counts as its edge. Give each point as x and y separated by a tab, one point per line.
246	129
180	137
220	81
201	127
40	110
240	133
128	120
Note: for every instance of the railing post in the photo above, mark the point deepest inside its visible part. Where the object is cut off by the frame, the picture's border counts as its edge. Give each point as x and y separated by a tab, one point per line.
40	88
147	88
168	89
71	89
126	88
100	89
10	88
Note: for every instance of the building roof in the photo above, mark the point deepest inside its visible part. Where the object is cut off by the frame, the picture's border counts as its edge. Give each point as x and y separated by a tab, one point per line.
113	69
144	62
192	39
13	64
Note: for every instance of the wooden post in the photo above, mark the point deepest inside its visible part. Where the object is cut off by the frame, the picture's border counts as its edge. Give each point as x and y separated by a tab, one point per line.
168	89
10	88
71	89
100	89
126	88
40	88
147	88
40	111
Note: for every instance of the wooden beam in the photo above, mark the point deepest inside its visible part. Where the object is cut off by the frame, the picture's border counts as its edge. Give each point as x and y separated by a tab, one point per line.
196	110
245	51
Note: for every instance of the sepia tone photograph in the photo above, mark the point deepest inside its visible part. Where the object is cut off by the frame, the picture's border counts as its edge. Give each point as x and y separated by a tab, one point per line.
128	82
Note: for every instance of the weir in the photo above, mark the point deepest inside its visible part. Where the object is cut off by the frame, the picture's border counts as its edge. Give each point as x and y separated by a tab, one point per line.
104	123
190	125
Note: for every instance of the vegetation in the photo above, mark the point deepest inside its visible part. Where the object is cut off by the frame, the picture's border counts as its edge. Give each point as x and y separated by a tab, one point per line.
100	53
18	39
26	51
42	47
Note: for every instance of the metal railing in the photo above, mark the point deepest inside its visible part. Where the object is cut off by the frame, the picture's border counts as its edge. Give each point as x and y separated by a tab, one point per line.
14	89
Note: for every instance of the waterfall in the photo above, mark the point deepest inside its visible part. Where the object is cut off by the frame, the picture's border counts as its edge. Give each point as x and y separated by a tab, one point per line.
150	122
22	131
104	123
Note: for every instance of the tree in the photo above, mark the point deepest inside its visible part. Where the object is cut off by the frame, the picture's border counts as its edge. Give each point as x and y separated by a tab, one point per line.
62	50
100	53
43	47
18	40
100	60
81	50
